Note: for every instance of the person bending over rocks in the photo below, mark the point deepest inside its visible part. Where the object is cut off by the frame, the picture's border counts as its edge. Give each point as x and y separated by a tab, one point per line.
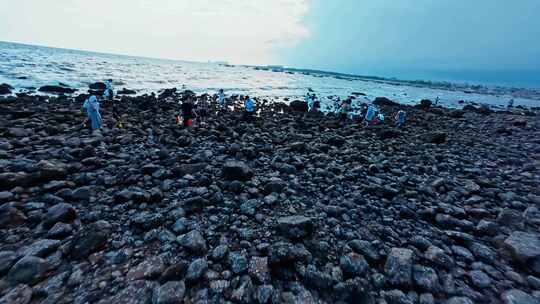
370	115
92	110
109	91
221	99
187	111
400	118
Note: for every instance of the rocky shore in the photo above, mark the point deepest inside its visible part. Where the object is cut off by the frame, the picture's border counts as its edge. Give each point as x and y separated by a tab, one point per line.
293	208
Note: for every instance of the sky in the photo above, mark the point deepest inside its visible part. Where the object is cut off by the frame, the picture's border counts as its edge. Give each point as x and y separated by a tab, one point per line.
407	38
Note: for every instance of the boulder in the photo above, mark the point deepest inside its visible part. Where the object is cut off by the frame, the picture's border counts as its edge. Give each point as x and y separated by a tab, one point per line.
196	269
299	106
28	270
61	212
89	240
7	259
383	101
56	89
21	294
5	89
194	242
137	292
296	226
523	246
398	267
11	217
436	138
125	91
169	293
98	86
516	296
236	170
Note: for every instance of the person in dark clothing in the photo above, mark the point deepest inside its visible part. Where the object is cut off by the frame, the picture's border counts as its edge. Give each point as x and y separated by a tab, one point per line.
187	111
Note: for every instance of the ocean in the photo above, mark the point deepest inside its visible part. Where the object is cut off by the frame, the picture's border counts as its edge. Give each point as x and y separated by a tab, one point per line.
25	67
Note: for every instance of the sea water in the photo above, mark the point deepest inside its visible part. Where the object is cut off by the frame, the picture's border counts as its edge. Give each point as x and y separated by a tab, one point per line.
26	67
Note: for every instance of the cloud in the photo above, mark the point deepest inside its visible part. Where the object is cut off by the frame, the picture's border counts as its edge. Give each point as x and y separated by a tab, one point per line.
233	30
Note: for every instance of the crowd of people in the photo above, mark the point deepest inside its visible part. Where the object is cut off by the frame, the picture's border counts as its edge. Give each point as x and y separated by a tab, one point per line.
197	108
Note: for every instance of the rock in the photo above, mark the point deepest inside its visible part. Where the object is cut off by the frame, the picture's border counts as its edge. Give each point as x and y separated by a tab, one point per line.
82	193
426	278
6	196
436	138
236	170
196	269
383	101
133	194
22	294
299	106
137	292
7	259
295	227
195	204
194	242
87	241
219	252
483	253
10	180
437	256
282	253
62	212
148	269
366	250
5	89
41	248
425	104
523	246
49	170
258	270
180	226
396	297
60	231
353	265
275	185
398	267
169	293
459	300
264	294
28	270
516	296
479	279
98	86
11	217
56	89
125	91
238	262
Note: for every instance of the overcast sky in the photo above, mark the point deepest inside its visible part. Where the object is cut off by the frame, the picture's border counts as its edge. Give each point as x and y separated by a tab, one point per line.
358	36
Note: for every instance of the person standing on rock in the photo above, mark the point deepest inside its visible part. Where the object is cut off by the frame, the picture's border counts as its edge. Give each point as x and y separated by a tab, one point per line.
109	91
202	109
345	109
221	98
249	108
92	110
370	115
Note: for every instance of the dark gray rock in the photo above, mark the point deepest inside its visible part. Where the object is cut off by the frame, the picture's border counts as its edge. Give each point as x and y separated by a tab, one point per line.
295	227
236	170
169	293
238	262
426	278
516	296
353	264
523	246
398	267
220	252
258	269
194	242
7	259
196	269
28	270
479	279
87	241
41	248
21	294
60	213
137	292
438	257
149	269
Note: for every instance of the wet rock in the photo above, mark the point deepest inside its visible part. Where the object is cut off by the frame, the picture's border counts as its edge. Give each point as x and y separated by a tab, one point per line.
398	267
353	264
56	89
169	293
98	86
366	250
21	294
148	269
125	91
236	170
516	296
87	241
28	270
295	227
258	269
196	269
7	259
6	196
459	300
194	242
523	246
426	278
60	231
219	252
282	253
195	204
479	279
62	212
299	106
11	217
238	262
383	101
137	292
438	257
5	89
133	194
41	248
9	180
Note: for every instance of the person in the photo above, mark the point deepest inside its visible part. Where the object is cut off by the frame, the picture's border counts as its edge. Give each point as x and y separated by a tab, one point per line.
337	104
116	116
221	98
249	108
400	117
511	103
345	108
437	100
109	91
187	111
92	110
202	109
370	114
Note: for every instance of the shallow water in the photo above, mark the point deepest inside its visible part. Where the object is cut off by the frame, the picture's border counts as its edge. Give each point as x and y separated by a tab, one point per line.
24	66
